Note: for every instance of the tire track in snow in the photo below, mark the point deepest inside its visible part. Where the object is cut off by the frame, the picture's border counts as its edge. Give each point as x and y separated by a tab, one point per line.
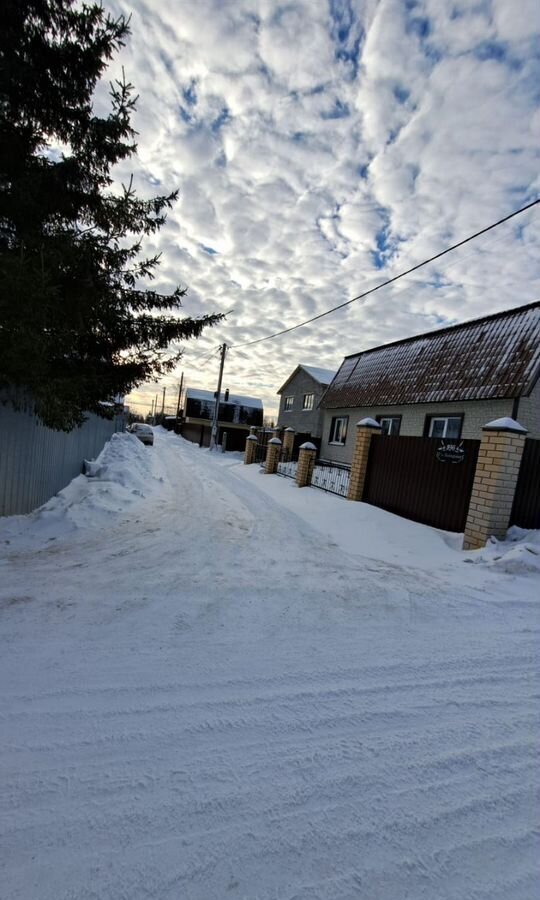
309	755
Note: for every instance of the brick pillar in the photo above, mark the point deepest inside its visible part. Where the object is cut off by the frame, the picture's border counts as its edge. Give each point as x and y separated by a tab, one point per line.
249	452
495	482
288	443
272	456
306	462
365	429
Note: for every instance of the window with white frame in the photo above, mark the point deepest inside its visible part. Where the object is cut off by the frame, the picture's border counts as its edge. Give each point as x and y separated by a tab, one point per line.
309	400
389	424
338	430
445	426
288	405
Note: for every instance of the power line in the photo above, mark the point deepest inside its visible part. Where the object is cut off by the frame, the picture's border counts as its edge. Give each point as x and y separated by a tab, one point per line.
202	355
382	284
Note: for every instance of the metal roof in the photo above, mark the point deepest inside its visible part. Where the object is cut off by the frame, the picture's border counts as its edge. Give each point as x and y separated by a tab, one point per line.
493	357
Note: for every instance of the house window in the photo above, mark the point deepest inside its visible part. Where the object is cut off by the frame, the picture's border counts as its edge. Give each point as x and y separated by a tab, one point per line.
309	400
444	426
338	430
288	404
390	424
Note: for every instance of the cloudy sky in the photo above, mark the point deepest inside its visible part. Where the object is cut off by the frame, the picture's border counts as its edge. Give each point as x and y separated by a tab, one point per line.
320	146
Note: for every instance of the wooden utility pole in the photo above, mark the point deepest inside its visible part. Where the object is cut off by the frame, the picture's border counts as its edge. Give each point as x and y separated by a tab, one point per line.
214	434
179	396
163	402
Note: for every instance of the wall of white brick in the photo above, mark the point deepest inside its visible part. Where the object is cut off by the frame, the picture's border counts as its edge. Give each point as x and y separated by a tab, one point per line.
529	412
476	414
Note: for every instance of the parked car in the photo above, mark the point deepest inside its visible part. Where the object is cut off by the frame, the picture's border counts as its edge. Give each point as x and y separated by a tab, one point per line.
143	432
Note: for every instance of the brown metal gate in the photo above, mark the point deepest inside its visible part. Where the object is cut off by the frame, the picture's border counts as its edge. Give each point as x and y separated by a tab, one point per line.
526	509
405	476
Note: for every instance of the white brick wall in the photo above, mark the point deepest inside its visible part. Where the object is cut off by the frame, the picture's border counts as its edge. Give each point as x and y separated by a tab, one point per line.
529	411
476	414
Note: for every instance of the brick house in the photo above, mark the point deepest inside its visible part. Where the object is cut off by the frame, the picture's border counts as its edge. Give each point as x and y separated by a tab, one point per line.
299	401
445	383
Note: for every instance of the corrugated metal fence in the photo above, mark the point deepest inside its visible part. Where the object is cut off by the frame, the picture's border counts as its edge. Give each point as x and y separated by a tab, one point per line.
37	462
405	476
526	510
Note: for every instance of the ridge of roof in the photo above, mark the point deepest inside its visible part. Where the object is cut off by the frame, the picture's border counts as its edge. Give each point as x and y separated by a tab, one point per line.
321	370
310	371
437	331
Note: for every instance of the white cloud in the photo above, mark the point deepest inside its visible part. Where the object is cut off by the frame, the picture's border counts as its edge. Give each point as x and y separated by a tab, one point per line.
319	147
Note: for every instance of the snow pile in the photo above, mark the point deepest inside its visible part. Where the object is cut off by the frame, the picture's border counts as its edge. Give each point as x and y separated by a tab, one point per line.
124	473
519	554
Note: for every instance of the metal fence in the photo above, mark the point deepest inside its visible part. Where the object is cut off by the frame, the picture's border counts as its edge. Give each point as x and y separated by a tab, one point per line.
37	462
526	509
332	477
406	475
287	468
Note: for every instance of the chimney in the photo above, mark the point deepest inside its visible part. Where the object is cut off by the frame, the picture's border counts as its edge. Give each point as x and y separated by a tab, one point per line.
227	395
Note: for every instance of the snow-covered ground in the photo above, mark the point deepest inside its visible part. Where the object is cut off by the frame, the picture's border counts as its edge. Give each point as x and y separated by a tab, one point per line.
214	685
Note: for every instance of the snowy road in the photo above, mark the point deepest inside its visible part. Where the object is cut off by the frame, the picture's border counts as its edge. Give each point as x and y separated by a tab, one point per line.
204	695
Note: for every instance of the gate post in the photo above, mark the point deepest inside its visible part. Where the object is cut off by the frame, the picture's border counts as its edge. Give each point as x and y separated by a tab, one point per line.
306	463
288	444
365	429
272	456
495	481
249	452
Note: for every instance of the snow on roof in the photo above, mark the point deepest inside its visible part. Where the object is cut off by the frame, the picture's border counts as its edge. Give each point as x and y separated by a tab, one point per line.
234	399
324	376
496	356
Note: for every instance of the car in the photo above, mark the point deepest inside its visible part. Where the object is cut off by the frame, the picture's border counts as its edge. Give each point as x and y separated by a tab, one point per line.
143	432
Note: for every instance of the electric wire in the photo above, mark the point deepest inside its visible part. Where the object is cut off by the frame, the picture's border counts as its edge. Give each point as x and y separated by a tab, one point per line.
388	281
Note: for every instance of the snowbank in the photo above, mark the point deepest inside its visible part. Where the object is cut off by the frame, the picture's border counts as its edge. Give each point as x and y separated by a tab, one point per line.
519	554
124	474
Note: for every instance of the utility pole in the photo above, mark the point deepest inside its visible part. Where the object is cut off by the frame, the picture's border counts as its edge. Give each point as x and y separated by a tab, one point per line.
179	396
163	402
155	408
152	411
214	434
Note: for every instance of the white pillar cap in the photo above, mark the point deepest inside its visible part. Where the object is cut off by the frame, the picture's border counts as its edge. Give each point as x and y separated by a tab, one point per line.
505	424
368	423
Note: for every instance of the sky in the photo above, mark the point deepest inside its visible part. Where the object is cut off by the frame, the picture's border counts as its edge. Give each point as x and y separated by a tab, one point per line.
322	146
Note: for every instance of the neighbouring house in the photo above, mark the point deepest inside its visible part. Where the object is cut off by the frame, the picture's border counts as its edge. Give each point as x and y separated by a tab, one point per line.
300	398
236	415
446	383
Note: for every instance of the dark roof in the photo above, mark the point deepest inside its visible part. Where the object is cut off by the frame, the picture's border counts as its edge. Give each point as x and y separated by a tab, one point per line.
496	356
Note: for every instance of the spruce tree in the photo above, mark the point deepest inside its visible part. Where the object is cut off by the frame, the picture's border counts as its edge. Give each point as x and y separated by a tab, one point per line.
78	323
